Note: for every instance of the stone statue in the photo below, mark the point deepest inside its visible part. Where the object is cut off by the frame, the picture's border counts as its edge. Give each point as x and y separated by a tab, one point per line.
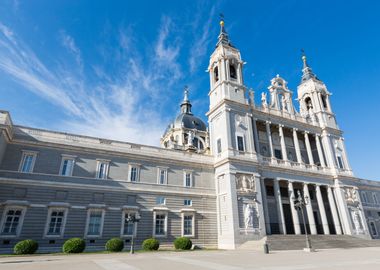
248	216
190	138
251	94
283	103
245	183
264	100
357	221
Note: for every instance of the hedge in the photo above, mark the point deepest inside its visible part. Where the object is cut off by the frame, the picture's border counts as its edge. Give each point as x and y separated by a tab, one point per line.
28	246
115	245
151	244
74	245
183	243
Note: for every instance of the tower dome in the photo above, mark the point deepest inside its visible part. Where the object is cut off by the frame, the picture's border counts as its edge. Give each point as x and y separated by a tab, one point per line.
187	131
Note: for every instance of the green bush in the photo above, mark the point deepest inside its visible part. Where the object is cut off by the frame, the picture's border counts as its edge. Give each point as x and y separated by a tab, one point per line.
183	243
25	247
115	245
151	244
74	245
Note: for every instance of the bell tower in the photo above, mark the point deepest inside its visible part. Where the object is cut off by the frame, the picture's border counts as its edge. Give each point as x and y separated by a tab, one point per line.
314	99
225	69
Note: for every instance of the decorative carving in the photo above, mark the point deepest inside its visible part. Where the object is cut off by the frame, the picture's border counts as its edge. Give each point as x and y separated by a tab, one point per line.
251	94
190	138
264	100
283	104
357	221
248	216
245	183
351	196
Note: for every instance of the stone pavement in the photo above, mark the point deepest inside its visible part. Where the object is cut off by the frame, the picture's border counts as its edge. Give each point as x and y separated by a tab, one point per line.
360	258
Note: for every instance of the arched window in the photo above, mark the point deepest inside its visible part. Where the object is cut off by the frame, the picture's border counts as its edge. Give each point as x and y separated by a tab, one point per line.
308	103
233	74
324	102
216	74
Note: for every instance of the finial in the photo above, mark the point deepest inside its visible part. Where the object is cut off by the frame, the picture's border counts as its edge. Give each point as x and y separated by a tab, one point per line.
304	58
223	36
307	72
221	15
185	93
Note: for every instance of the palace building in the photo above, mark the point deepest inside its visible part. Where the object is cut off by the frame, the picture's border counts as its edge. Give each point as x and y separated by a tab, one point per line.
225	184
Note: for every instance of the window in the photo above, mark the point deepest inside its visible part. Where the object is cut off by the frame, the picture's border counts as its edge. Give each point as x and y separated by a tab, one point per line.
187	202
27	161
308	103
134	172
364	197
233	74
216	74
373	228
240	143
369	213
129	228
375	201
188	181
340	162
160	224
160	200
12	221
324	101
219	146
67	166
188	222
278	153
95	222
162	176
55	222
102	169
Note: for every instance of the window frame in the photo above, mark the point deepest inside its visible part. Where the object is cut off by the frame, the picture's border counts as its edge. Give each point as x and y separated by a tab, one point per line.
375	198
340	162
185	173
130	167
161	197
159	171
165	213
237	142
219	146
192	214
374	225
22	161
125	212
20	222
187	200
364	197
86	235
48	219
64	158
98	166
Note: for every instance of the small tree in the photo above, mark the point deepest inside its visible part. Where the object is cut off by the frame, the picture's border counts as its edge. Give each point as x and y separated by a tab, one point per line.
28	246
183	243
74	245
115	245
151	244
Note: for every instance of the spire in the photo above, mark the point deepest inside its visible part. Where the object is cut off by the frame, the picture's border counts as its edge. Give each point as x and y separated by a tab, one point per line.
223	36
307	72
186	105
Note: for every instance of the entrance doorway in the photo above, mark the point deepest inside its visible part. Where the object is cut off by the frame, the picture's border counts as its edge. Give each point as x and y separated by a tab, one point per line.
288	218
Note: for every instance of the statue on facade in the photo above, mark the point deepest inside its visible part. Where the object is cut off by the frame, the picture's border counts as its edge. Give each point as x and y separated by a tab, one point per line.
248	216
251	94
283	103
190	138
264	103
357	221
245	183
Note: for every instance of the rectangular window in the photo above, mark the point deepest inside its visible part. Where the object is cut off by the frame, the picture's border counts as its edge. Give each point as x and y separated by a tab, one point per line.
187	202
240	143
134	172
160	201
375	201
95	223
129	227
340	162
67	166
12	221
102	170
219	146
188	225
277	153
373	228
27	162
188	181
160	225
162	176
56	221
364	197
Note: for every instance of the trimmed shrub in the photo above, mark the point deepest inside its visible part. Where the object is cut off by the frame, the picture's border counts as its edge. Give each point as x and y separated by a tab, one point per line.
115	245
74	245
151	244
183	243
28	246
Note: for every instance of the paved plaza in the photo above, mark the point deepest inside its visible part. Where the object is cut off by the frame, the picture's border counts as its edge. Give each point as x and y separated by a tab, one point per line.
346	259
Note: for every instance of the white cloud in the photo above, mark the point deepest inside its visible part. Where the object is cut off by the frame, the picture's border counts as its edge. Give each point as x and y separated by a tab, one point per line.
121	108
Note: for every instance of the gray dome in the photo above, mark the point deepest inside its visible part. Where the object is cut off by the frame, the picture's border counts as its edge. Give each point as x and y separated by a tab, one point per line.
187	120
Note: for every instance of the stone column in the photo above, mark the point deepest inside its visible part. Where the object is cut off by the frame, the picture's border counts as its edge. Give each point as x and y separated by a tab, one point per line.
297	146
269	135
322	210
228	125
308	148
280	211
256	135
265	206
348	167
319	149
250	133
282	140
296	221
309	210
226	69
334	211
329	152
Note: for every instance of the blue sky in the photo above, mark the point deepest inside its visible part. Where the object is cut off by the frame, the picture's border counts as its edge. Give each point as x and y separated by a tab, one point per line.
117	69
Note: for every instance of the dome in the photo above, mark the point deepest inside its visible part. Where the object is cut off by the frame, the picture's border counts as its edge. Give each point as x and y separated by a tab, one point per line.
188	120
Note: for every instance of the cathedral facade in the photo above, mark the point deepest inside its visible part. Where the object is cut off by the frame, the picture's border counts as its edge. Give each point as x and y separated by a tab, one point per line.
236	180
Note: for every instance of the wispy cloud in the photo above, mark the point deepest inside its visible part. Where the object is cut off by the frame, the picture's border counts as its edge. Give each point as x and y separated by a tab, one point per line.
122	108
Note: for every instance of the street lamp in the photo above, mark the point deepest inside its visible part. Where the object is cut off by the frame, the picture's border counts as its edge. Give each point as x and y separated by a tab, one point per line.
133	218
299	203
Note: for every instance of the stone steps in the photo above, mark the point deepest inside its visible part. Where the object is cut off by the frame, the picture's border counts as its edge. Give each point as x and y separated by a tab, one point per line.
298	242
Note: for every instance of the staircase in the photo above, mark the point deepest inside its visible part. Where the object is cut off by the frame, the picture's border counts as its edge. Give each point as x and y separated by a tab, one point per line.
294	242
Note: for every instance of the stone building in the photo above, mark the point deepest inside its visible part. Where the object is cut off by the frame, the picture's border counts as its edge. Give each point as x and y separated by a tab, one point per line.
222	185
